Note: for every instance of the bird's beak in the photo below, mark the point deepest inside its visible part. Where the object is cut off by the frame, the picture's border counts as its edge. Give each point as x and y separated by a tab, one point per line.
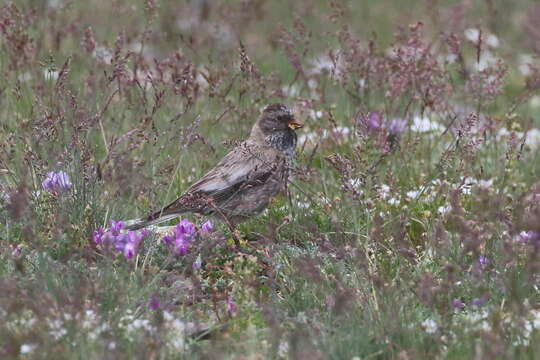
293	125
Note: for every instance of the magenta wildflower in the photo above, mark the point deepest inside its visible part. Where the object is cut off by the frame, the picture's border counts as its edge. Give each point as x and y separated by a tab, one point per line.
374	122
531	236
17	251
481	301
185	227
397	126
179	242
154	303
207	227
132	244
97	235
458	305
116	227
113	240
181	245
231	305
56	181
168	239
483	262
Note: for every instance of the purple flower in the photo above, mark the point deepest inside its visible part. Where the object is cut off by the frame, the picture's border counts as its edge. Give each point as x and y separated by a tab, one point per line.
374	122
207	227
197	264
168	239
231	305
458	304
184	233
17	251
97	235
181	245
113	240
116	227
185	227
481	301
483	262
529	236
154	303
120	242
132	244
397	126
56	181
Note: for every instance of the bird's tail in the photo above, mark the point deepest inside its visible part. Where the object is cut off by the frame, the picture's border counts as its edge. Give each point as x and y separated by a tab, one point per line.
153	219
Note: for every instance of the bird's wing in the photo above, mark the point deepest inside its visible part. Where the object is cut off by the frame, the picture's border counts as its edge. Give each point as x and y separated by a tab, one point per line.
247	164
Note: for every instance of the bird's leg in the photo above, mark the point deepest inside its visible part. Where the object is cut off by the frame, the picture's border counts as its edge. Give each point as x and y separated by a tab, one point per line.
235	233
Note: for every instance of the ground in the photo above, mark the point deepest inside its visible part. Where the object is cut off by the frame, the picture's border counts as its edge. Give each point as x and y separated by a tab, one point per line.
410	228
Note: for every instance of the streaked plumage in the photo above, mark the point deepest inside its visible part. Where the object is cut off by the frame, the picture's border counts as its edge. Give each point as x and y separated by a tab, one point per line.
242	184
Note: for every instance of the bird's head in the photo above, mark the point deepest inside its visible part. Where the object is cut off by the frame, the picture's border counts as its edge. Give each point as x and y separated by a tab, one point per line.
277	118
277	125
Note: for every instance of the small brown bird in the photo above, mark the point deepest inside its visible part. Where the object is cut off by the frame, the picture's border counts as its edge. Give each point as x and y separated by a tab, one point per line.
242	184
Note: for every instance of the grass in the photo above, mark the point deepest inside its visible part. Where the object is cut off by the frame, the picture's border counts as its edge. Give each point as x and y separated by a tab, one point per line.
420	243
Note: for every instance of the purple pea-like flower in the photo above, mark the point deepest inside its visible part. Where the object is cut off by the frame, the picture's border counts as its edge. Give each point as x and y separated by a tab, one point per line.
531	236
154	303
116	227
374	121
231	305
181	245
481	301
120	242
113	240
56	181
168	239
179	242
207	227
483	262
97	235
397	126
132	245
185	227
458	304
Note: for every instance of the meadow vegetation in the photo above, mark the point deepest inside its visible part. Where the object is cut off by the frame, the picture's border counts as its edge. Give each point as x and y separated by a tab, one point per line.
411	226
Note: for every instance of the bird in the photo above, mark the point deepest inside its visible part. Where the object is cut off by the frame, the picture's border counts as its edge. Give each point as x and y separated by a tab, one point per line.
242	184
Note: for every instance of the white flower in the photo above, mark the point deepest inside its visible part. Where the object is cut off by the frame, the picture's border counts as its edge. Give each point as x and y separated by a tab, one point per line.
413	194
535	101
27	348
524	60
50	74
283	349
424	124
291	91
485	184
430	326
472	34
26	76
443	210
533	138
355	182
57	329
384	191
492	40
102	54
